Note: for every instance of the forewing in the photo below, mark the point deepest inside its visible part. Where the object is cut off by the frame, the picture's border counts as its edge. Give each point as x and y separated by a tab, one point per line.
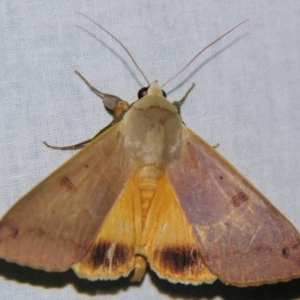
54	225
243	238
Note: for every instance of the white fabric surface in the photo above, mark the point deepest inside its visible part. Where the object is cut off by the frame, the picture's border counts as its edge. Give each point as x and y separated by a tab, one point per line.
246	99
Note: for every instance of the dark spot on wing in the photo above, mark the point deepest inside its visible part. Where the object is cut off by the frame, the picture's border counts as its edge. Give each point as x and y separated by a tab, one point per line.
285	252
100	256
16	233
239	198
288	251
8	231
178	259
86	165
41	232
257	248
67	183
221	177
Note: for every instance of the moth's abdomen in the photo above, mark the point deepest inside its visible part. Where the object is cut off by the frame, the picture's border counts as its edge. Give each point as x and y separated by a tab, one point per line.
147	179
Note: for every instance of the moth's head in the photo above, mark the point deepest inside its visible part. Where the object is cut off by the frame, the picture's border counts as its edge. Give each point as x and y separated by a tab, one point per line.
152	89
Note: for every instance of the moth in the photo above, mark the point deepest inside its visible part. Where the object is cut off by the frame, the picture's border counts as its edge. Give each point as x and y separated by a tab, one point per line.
148	191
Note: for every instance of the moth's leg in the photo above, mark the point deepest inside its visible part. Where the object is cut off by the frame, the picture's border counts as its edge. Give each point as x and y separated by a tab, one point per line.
71	147
112	102
81	144
117	106
92	88
180	102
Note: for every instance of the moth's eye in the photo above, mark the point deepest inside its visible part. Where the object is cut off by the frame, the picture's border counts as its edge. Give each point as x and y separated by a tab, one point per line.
164	94
143	92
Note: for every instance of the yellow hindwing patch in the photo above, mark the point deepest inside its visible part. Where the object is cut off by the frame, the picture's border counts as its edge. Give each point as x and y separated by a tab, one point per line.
130	236
169	243
112	252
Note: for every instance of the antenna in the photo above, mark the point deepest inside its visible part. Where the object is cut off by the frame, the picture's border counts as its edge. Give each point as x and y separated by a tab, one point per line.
119	42
137	66
220	37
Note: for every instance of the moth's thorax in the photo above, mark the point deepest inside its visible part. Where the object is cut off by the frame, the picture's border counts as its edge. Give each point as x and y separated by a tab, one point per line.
152	131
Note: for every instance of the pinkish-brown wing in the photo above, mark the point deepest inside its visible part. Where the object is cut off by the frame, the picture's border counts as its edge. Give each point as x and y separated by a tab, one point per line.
243	238
54	225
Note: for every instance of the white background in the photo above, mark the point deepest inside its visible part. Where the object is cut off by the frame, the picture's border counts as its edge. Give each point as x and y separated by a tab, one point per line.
247	99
